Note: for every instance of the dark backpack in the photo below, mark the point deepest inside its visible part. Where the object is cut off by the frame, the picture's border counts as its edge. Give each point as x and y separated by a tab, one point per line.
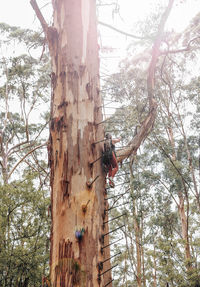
107	153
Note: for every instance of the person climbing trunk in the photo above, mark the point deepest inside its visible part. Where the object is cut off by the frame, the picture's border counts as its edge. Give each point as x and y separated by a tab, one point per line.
110	157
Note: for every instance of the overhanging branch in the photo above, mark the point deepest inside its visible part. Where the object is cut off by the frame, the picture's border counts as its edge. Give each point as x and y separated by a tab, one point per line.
147	124
122	32
184	49
39	16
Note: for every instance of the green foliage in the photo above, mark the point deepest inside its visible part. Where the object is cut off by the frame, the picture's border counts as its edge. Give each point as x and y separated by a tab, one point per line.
24	195
24	240
28	37
24	97
162	206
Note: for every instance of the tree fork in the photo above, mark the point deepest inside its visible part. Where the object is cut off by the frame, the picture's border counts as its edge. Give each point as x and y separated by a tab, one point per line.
148	123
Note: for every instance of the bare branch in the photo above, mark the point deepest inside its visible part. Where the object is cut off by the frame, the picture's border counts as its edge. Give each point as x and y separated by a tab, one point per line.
122	32
42	128
38	164
145	129
10	151
21	160
162	182
39	16
187	48
148	123
156	52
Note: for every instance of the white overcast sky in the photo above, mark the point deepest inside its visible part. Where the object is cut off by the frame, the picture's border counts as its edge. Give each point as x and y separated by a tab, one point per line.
20	13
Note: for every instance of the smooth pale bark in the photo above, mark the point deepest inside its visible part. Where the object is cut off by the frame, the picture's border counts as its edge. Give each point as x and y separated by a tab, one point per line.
147	124
138	248
74	113
182	195
155	268
184	227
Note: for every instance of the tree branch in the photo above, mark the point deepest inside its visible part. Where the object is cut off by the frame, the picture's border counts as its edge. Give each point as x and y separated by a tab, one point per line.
24	158
122	32
156	52
168	191
10	151
187	48
39	16
148	123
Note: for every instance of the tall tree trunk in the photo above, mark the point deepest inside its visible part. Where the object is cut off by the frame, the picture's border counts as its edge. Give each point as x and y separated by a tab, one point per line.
74	114
77	209
142	254
138	245
138	234
181	204
184	228
155	267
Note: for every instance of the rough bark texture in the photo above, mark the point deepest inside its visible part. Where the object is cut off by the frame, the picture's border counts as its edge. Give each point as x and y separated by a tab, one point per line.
74	112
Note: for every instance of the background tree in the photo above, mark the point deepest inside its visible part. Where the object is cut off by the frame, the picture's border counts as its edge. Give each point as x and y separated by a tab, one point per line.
24	240
164	172
161	201
75	84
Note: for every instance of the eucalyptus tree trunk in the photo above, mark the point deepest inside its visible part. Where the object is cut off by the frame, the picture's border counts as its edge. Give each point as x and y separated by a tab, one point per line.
181	205
75	113
184	228
138	246
77	208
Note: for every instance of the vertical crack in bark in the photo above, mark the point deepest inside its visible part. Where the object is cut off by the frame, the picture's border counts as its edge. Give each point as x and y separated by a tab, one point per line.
75	98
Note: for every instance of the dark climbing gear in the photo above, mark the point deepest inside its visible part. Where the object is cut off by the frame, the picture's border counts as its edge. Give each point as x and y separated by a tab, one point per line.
107	153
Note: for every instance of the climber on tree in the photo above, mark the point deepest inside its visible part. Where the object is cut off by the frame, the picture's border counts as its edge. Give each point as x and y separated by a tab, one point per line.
109	158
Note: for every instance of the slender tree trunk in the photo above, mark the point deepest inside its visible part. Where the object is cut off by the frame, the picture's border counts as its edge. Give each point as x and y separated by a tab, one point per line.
3	141
155	267
181	204
138	246
77	208
138	234
5	168
190	163
143	261
184	227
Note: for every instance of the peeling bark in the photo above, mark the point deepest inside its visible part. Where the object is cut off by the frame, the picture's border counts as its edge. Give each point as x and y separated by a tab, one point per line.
72	42
73	48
